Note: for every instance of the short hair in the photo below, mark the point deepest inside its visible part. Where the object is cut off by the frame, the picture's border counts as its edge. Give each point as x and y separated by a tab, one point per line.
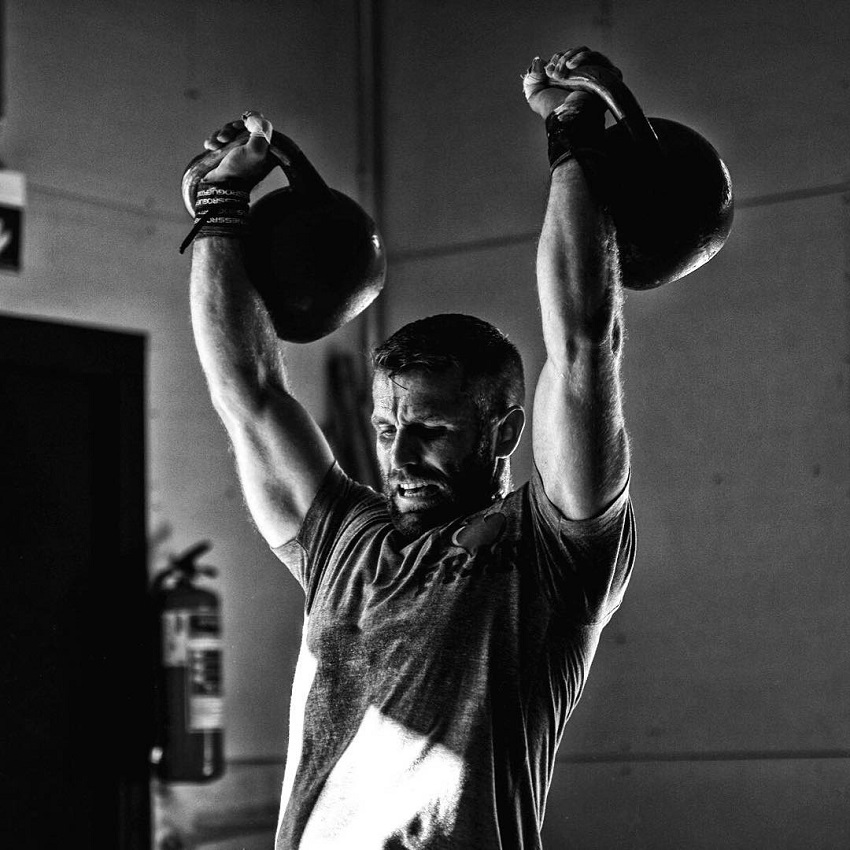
489	362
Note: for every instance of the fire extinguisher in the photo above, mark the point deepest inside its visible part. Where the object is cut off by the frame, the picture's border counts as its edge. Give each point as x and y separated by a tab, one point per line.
189	741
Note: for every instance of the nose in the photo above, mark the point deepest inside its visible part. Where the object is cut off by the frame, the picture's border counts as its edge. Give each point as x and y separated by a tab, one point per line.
404	450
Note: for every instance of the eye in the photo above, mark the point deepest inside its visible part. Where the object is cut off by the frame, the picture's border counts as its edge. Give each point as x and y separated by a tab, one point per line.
429	432
385	433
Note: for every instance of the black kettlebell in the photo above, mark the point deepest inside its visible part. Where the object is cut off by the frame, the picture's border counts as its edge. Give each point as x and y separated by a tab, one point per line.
668	190
313	253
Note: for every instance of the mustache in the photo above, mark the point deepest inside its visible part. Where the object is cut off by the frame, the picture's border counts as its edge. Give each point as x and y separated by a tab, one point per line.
415	478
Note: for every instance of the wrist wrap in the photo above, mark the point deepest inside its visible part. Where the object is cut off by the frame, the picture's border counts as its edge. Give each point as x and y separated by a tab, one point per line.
221	209
579	134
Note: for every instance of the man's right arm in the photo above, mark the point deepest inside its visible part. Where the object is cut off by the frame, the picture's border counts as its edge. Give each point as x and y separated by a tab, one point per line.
281	454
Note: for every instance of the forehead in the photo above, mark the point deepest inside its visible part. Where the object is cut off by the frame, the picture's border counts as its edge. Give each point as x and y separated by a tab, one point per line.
417	392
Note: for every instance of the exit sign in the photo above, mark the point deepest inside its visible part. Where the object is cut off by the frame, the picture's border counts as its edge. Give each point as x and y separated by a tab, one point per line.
12	203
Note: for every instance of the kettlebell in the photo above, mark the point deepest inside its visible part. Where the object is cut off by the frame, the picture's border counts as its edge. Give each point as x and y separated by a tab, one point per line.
313	254
668	191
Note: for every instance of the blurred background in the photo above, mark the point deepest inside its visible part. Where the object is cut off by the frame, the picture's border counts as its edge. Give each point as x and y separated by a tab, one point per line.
718	711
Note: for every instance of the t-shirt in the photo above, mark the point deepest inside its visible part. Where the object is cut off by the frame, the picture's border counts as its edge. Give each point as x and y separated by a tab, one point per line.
435	677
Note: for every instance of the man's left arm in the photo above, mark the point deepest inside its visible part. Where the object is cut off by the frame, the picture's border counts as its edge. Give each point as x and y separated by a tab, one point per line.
579	440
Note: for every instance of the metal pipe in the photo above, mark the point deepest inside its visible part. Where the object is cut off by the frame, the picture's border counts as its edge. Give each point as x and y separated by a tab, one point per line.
370	174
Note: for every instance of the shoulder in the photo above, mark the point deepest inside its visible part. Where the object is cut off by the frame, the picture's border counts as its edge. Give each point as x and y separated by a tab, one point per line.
341	499
342	506
531	519
344	518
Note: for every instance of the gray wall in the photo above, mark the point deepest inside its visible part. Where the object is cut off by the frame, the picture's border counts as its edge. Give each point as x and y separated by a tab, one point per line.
717	712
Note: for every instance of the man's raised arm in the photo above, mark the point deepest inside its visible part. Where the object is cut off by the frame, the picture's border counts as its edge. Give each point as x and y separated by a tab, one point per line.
579	440
281	454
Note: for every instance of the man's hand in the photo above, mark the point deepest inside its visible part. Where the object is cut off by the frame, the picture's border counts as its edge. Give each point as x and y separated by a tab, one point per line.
281	454
246	162
544	95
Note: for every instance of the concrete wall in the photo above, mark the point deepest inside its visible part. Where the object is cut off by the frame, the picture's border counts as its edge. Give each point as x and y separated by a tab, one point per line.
716	715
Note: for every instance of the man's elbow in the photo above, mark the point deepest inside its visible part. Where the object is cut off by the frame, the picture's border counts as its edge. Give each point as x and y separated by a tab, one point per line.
583	344
587	319
243	398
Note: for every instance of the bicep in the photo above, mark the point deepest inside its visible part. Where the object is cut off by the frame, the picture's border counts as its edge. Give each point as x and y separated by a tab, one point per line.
282	458
578	436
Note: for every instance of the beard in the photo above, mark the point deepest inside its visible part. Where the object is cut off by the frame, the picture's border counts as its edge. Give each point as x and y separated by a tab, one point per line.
463	489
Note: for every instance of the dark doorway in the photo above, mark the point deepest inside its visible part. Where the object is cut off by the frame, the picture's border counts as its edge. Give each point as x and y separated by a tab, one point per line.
74	661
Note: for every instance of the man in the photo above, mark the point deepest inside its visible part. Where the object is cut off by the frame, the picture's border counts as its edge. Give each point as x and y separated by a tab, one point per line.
450	624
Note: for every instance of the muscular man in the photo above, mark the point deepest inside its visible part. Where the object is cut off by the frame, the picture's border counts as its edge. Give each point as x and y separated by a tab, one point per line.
451	621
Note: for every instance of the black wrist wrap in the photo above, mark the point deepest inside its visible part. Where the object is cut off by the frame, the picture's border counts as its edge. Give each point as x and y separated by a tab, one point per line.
578	135
221	209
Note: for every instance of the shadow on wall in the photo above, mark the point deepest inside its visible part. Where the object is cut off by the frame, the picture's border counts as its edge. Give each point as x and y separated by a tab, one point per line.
348	429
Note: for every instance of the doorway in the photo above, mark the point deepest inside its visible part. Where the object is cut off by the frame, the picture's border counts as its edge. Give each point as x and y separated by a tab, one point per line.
75	657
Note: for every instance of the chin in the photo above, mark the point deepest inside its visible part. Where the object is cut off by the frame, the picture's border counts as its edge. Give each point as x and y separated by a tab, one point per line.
413	524
475	484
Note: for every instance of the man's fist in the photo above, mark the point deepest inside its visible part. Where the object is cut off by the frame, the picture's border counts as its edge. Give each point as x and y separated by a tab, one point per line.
540	83
246	162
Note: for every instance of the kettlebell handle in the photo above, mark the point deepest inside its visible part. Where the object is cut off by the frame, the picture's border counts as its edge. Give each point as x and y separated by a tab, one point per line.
604	83
667	189
302	176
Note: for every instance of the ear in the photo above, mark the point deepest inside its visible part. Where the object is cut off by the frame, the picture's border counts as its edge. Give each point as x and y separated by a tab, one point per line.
508	432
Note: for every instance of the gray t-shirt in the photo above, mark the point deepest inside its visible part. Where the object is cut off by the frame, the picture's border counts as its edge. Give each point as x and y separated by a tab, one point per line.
435	678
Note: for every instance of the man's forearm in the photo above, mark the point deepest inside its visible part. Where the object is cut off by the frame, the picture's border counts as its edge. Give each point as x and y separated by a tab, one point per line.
577	266
236	343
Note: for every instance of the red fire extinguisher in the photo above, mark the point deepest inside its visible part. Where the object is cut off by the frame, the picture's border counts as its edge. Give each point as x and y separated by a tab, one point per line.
189	743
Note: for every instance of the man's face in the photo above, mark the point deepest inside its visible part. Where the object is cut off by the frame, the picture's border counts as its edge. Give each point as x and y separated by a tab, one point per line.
436	459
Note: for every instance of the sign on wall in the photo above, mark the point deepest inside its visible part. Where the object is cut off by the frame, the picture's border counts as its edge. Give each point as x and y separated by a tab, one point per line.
12	203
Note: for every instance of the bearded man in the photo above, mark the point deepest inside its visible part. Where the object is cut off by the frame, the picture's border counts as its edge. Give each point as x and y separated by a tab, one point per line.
450	622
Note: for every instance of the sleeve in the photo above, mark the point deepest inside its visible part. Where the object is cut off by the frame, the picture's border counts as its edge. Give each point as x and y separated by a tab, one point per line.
336	515
584	565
